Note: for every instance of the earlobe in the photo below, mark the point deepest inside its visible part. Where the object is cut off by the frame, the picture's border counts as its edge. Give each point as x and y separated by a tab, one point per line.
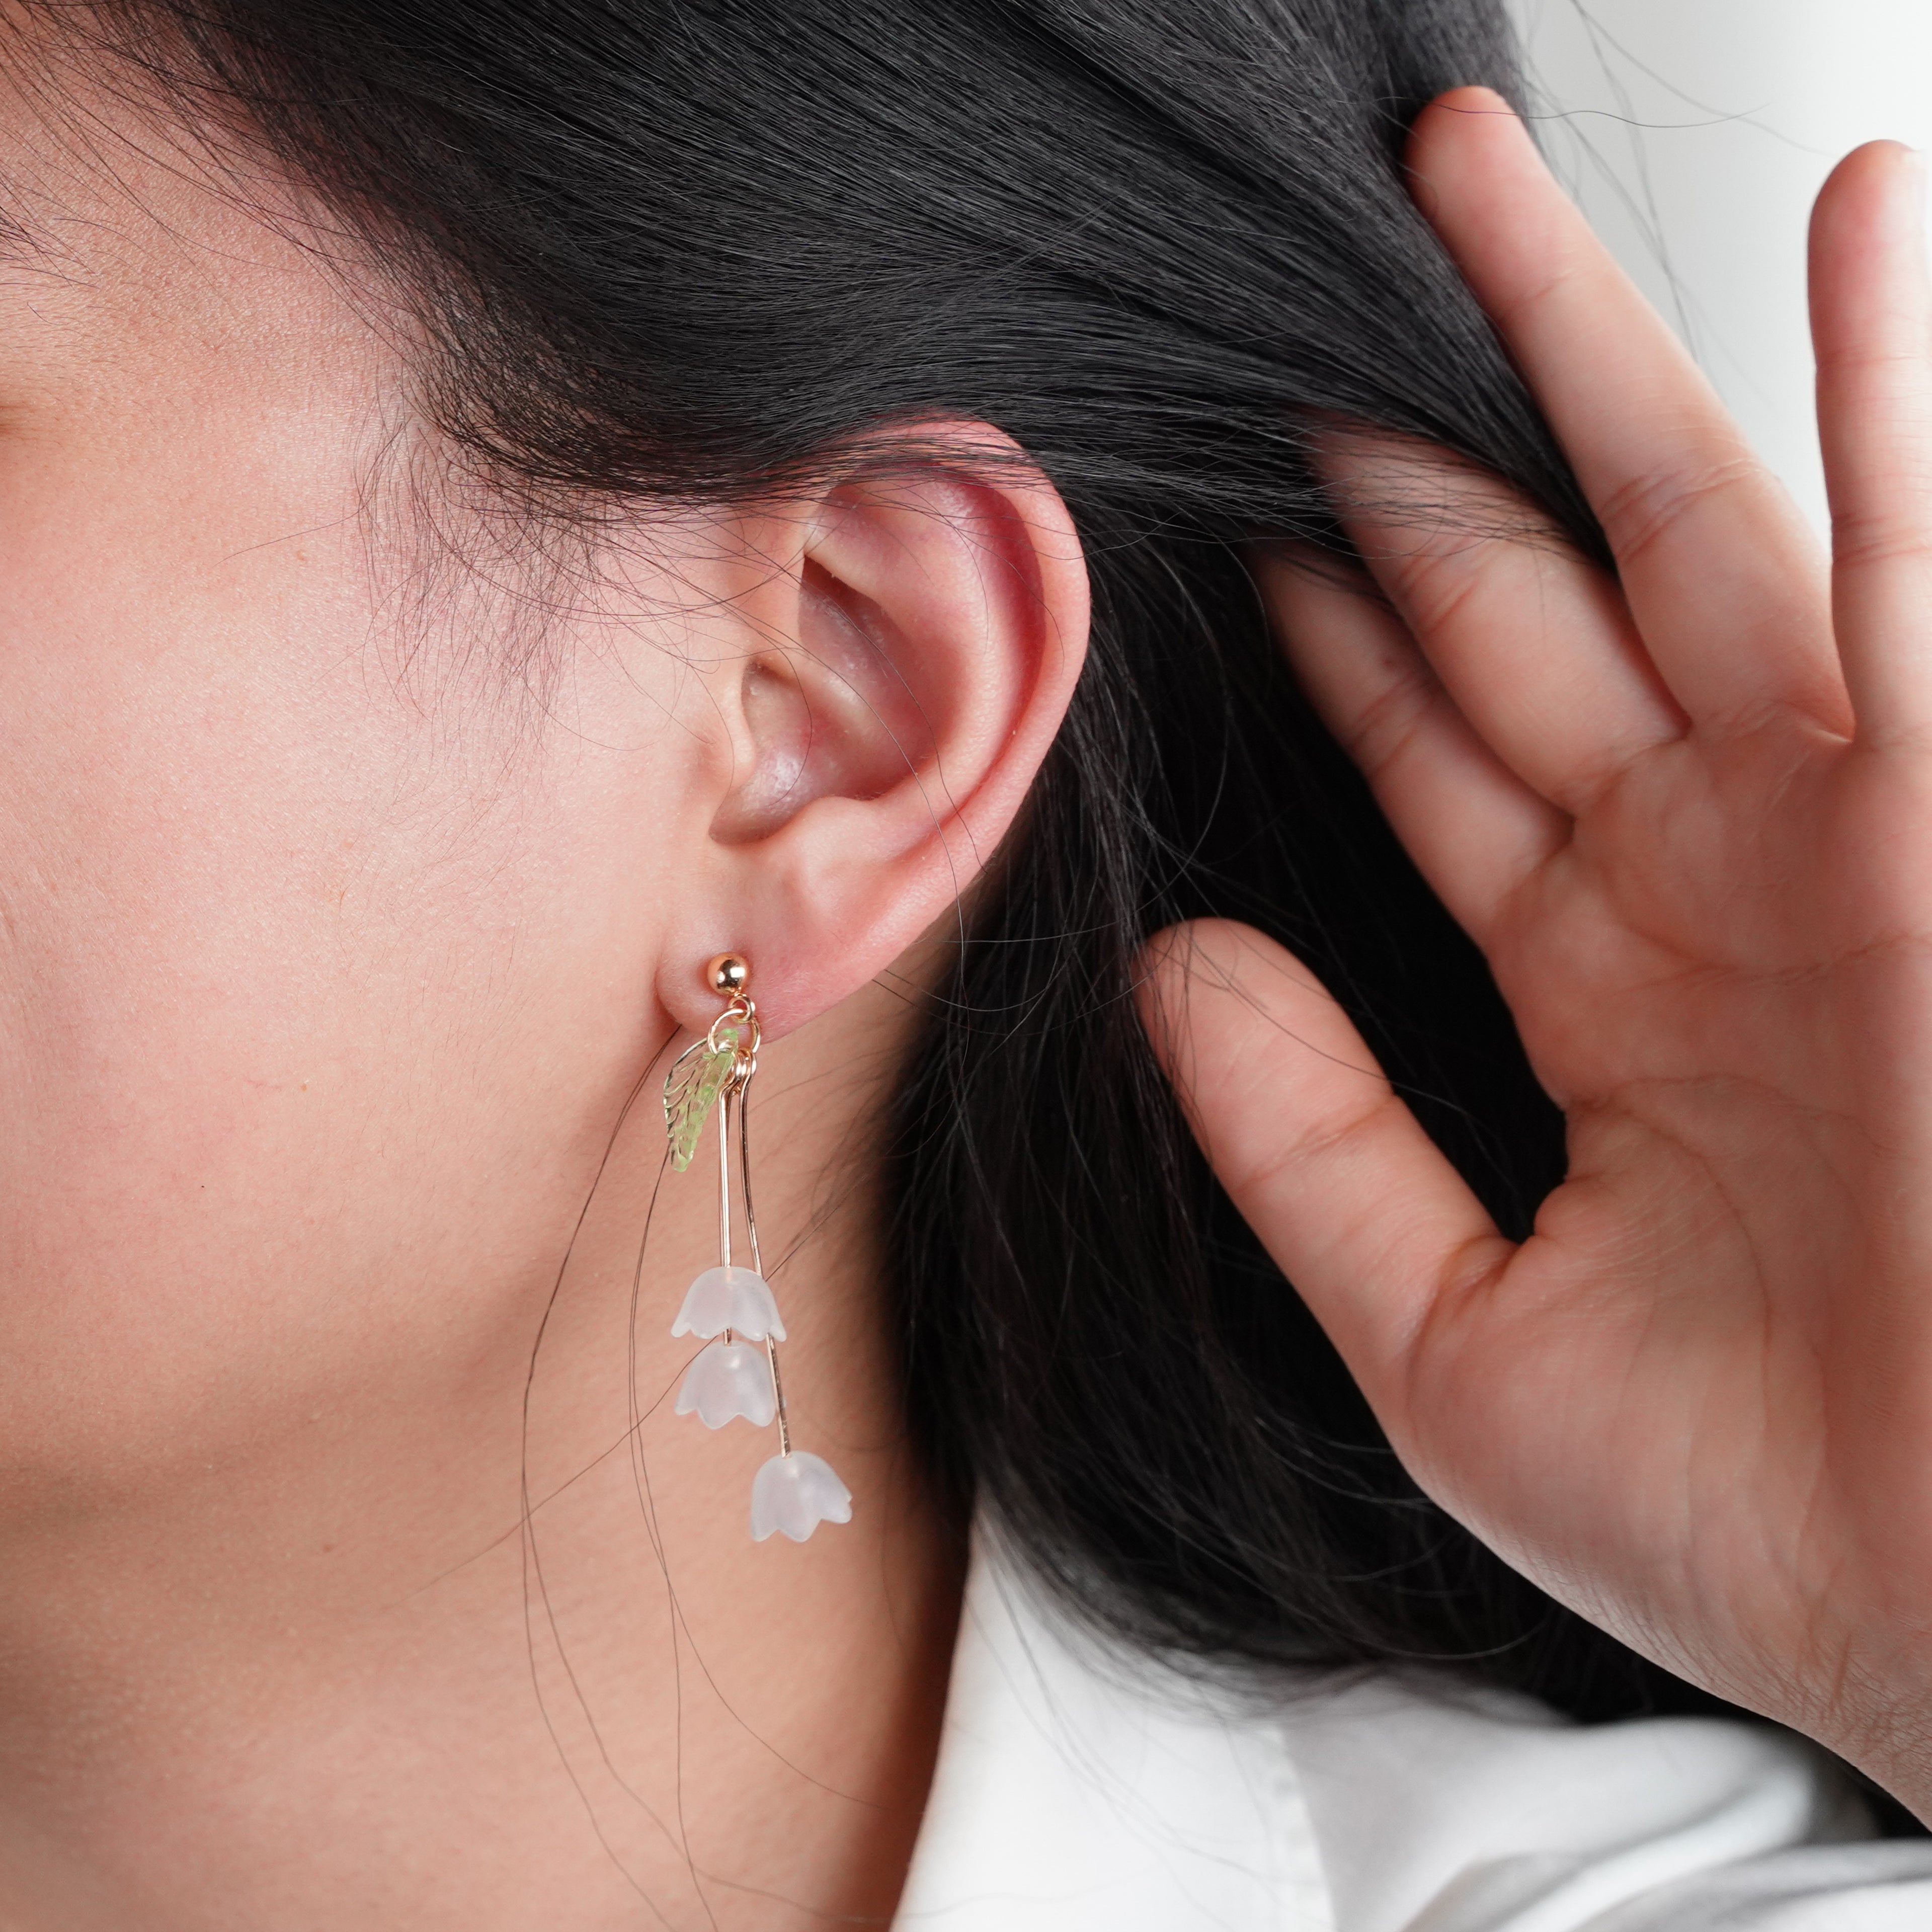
891	715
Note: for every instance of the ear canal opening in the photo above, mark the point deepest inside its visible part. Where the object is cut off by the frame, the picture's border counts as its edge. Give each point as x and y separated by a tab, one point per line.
832	714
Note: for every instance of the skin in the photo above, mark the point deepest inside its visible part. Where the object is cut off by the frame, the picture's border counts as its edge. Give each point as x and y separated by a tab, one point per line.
347	894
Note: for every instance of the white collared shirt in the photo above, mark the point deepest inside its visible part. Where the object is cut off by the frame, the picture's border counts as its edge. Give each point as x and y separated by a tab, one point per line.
1082	1791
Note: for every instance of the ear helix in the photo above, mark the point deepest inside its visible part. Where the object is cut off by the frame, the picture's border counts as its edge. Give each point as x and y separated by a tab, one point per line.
738	1374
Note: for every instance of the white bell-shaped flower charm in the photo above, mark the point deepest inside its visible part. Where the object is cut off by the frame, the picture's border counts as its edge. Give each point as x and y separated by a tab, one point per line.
727	1380
795	1493
730	1297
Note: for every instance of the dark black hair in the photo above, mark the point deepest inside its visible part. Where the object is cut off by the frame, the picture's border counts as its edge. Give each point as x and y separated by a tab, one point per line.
698	249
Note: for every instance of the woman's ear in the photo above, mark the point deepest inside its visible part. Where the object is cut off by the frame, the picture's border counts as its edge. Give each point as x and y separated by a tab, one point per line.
907	662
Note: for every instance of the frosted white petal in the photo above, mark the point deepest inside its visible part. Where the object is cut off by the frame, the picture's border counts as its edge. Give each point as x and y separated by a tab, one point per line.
730	1297
795	1493
727	1380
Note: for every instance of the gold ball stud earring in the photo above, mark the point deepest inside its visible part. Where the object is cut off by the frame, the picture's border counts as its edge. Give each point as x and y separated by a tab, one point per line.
727	975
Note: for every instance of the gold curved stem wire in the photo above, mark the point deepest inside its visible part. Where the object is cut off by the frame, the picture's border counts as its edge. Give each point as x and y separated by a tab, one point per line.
725	1178
744	1092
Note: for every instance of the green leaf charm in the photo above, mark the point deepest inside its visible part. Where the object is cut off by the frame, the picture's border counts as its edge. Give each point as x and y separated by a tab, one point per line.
692	1089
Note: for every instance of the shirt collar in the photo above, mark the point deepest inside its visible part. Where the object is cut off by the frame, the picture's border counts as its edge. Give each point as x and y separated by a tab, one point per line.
1084	1790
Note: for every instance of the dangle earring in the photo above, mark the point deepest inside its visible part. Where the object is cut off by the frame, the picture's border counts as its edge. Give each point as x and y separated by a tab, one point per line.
732	1307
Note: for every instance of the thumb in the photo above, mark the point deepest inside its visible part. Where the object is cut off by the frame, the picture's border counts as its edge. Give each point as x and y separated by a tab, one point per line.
1356	1204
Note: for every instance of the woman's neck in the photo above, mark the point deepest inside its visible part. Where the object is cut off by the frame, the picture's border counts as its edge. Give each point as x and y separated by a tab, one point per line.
417	1661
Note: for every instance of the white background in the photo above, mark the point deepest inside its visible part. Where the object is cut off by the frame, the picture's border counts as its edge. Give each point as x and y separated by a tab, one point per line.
1695	133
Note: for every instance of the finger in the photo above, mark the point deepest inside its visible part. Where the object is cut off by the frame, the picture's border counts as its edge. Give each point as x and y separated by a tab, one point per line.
1474	829
1724	580
1353	1200
1533	643
1871	324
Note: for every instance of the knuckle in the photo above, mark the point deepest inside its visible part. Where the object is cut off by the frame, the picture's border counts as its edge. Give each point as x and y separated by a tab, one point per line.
1312	1142
1390	723
1514	309
1440	587
1862	539
1883	363
1637	514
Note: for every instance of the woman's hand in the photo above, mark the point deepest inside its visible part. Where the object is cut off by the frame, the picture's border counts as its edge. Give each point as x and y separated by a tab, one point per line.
1688	817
